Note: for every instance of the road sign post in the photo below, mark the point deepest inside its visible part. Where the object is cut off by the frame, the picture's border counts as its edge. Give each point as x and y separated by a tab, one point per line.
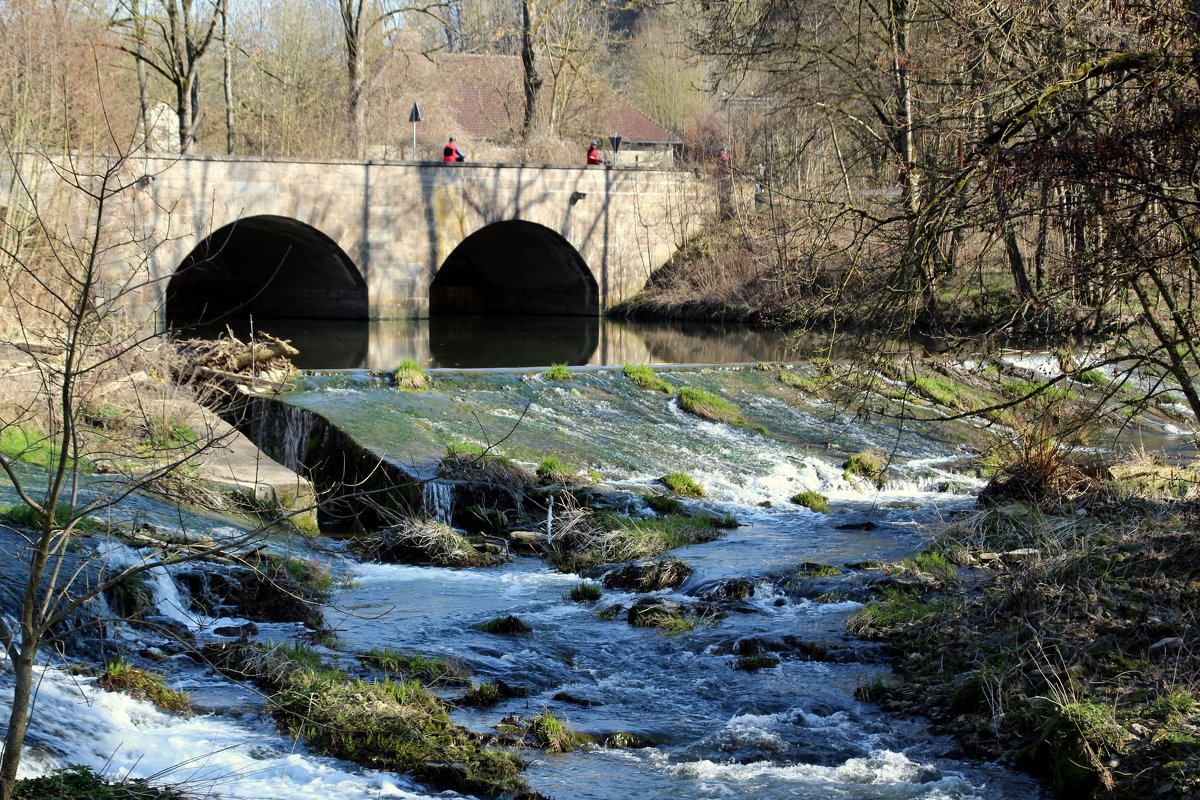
414	117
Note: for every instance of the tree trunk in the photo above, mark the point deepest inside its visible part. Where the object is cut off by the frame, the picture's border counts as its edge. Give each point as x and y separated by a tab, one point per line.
229	133
183	108
142	79
352	36
532	80
18	718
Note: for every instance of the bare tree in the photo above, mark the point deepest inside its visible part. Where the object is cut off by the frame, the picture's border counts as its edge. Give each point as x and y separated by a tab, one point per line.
64	309
366	25
171	37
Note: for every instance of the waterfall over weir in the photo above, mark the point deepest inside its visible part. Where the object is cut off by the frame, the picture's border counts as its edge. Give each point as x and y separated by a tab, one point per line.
436	500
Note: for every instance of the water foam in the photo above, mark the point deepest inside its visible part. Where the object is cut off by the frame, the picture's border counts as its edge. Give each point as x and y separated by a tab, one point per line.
78	723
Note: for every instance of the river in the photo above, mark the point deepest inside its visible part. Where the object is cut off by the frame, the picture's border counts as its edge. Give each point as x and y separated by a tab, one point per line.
446	341
794	730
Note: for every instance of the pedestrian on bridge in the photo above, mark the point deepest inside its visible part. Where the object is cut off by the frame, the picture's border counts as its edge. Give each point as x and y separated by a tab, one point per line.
451	152
592	156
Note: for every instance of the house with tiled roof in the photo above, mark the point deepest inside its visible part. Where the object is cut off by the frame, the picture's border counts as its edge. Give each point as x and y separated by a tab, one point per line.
482	97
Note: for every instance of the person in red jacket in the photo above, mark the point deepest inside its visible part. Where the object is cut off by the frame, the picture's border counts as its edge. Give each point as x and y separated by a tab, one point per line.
592	156
451	152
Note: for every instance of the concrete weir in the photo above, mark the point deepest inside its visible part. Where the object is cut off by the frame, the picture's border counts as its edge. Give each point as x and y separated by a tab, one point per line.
208	236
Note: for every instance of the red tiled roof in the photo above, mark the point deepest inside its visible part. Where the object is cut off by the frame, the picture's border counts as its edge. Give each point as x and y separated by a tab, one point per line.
486	98
484	93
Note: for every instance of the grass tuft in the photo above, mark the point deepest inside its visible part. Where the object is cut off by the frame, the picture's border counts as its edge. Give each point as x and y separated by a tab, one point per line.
78	782
558	372
585	592
869	464
410	377
431	671
120	676
812	500
708	406
647	378
682	483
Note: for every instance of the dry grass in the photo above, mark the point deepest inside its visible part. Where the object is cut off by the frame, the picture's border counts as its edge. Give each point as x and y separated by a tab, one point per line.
1036	463
423	541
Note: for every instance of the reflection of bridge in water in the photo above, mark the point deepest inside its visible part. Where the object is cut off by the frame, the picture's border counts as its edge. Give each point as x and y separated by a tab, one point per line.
353	240
521	341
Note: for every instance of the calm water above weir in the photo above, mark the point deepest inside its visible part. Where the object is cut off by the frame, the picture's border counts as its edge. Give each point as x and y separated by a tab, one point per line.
513	341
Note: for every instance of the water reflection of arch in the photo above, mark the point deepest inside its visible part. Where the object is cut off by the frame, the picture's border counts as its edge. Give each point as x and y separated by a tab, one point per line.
476	340
514	267
265	266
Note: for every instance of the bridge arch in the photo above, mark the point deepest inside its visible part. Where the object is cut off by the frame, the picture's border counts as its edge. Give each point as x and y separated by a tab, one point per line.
265	266
514	267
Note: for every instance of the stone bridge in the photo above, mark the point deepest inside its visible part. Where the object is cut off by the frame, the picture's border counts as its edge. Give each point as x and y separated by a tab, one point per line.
337	239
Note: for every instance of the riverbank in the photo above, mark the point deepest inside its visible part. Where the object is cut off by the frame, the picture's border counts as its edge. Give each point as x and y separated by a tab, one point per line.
131	422
793	269
1058	632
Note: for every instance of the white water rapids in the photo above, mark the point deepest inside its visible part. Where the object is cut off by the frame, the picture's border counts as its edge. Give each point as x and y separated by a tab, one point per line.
792	731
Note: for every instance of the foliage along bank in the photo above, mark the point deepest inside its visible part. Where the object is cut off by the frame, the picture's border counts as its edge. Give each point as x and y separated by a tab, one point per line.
1056	628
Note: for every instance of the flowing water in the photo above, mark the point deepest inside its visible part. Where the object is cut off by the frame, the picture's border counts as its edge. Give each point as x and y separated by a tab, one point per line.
791	731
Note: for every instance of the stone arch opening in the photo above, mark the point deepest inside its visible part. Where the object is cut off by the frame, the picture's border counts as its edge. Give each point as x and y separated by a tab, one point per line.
514	267
265	266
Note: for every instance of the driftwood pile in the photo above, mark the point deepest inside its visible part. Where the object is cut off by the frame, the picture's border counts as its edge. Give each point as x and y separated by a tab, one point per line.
260	365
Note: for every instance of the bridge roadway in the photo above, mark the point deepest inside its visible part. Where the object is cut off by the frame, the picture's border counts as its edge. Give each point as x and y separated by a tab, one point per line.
340	239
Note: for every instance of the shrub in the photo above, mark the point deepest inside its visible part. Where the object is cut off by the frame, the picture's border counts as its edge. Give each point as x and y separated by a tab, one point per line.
481	696
168	433
896	607
585	592
27	517
708	406
1172	706
682	483
1093	377
489	693
473	462
869	464
932	562
583	538
650	577
423	541
386	725
431	671
1033	465
120	676
647	378
812	500
410	377
80	783
312	575
552	470
671	623
509	626
550	733
663	504
105	416
558	372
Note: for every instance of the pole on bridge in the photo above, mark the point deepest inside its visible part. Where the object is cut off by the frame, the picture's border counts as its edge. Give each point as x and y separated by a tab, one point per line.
414	117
